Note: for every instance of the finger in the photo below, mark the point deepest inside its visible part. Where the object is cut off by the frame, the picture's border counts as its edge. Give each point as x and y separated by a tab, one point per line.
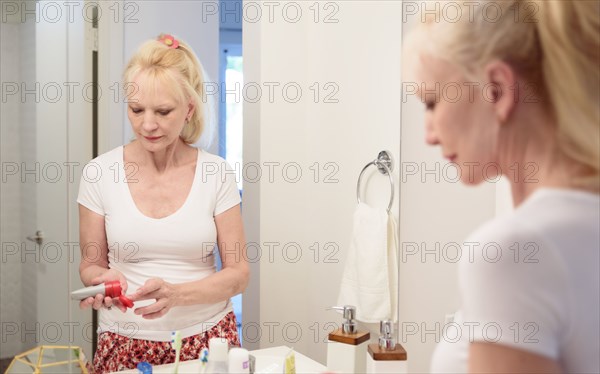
149	309
101	279
116	302
108	301
156	315
123	281
98	301
121	307
144	296
86	303
150	286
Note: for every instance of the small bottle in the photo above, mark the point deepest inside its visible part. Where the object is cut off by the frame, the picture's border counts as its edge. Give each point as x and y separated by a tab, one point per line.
386	356
239	361
347	347
144	368
110	289
217	356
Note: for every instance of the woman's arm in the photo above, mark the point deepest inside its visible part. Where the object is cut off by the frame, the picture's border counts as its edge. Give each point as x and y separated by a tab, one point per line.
94	268
94	248
233	277
487	357
230	281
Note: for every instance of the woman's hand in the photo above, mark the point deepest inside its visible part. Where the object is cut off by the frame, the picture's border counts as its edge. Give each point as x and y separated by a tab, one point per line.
100	300
165	294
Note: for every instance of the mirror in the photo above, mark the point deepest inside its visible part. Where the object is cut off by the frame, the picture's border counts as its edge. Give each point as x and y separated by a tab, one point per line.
320	100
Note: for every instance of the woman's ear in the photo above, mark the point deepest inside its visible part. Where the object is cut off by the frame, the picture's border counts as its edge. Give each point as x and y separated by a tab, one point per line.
191	109
504	88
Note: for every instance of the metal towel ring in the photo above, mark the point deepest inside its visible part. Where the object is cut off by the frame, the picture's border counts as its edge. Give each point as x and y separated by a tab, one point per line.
385	166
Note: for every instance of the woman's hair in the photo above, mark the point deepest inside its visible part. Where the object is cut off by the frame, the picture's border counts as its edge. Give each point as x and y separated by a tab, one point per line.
178	69
553	45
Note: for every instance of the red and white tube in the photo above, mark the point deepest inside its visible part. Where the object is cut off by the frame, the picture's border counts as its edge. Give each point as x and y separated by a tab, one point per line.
110	289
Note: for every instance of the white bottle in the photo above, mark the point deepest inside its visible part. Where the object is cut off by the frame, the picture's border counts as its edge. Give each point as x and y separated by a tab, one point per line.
239	361
347	347
387	357
217	356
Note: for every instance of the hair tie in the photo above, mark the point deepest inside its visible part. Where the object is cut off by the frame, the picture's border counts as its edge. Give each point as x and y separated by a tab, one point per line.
168	40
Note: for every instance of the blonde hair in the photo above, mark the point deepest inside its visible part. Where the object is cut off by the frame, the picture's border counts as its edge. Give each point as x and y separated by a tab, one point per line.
176	68
555	45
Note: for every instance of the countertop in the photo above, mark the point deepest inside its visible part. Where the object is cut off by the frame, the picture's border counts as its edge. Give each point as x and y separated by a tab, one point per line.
268	360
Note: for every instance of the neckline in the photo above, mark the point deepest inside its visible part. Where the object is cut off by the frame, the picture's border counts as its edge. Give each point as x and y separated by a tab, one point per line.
132	201
542	192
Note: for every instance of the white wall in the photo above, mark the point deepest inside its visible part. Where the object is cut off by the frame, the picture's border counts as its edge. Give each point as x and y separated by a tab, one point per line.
363	63
361	54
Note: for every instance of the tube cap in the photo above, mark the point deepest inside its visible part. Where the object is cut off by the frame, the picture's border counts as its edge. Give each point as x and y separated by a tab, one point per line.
126	301
113	289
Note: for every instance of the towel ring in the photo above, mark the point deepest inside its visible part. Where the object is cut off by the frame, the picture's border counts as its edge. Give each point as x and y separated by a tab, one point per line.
385	166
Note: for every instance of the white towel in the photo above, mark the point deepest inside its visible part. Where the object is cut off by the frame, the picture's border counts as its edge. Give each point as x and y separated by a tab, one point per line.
370	278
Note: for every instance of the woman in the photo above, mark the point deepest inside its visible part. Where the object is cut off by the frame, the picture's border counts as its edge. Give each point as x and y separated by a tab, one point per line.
527	109
150	215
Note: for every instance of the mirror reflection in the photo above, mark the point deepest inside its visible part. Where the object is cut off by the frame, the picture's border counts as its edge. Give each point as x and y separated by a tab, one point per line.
203	186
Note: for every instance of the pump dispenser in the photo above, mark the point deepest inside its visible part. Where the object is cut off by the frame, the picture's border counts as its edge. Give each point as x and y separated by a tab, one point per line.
386	337
386	356
347	347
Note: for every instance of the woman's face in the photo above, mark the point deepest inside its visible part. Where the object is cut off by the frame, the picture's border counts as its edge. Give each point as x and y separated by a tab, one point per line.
156	116
460	118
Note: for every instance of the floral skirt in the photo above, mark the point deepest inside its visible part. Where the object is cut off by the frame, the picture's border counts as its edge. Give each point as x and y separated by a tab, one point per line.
117	352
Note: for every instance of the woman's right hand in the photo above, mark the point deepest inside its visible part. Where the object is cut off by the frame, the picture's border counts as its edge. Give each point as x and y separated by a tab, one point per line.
101	301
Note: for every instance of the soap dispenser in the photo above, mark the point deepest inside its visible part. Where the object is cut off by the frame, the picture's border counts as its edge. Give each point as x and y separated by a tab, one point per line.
347	347
386	356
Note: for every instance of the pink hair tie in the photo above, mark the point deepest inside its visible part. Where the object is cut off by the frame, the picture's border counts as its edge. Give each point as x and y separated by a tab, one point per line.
168	40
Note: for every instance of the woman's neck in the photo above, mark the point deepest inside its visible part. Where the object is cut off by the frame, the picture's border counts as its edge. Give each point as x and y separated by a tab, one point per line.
541	165
161	161
529	154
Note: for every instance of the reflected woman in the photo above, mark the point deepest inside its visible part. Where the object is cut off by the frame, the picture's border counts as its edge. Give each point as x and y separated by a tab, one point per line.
150	215
528	110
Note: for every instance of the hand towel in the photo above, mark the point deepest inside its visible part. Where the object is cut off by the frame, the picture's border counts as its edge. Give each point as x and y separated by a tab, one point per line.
370	277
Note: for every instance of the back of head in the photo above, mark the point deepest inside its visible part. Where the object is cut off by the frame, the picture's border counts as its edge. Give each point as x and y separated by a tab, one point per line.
178	68
553	45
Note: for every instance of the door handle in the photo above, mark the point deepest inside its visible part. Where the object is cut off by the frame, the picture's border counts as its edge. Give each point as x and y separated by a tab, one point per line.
38	238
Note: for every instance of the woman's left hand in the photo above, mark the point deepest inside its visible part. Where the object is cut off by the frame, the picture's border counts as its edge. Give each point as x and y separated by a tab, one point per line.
155	288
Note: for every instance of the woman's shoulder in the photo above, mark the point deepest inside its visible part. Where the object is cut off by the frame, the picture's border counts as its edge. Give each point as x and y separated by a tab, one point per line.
505	228
206	156
546	219
213	164
511	248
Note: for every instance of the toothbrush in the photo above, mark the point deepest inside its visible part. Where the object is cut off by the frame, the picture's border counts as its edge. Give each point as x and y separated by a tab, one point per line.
176	343
203	359
289	366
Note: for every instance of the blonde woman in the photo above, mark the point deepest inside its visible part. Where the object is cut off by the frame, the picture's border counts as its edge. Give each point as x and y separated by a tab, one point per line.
151	213
528	110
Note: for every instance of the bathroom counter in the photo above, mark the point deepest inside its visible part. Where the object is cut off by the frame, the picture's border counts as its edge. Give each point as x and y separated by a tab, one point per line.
268	360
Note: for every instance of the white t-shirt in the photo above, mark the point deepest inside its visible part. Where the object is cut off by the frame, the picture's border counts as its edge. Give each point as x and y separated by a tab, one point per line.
177	248
531	281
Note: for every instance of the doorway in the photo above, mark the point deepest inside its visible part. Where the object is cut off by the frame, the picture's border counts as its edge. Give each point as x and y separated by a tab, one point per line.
45	140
